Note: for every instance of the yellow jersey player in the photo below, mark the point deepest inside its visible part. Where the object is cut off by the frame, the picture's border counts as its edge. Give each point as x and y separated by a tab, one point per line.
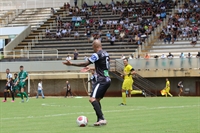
167	88
128	82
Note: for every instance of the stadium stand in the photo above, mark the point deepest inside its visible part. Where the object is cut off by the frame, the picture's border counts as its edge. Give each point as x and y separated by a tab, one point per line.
33	17
138	27
181	33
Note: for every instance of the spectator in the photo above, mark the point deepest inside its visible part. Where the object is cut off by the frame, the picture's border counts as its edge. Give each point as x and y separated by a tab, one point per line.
174	36
58	19
108	24
182	55
112	39
184	34
121	35
75	54
194	40
64	32
137	39
123	57
163	56
108	35
53	11
76	35
88	34
114	10
77	25
189	55
58	35
106	6
146	56
74	19
170	55
68	58
167	38
69	31
198	55
40	89
130	39
130	57
48	33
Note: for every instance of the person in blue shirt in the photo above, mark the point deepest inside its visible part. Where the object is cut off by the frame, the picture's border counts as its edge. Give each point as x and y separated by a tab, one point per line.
163	14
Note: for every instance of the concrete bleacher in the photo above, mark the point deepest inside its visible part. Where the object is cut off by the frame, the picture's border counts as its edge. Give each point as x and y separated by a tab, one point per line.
66	45
33	17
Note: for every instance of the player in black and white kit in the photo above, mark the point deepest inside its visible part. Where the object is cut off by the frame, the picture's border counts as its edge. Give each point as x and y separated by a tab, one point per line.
8	86
101	60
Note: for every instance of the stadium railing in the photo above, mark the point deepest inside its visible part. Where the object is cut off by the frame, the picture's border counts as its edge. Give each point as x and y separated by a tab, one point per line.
167	63
31	54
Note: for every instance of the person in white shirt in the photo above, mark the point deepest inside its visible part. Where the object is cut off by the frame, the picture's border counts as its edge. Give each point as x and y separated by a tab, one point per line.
108	24
123	57
48	33
79	19
184	34
112	39
68	58
194	40
163	56
40	89
113	10
76	35
58	35
64	31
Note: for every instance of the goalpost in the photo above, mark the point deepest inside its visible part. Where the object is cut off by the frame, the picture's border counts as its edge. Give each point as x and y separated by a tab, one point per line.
49	77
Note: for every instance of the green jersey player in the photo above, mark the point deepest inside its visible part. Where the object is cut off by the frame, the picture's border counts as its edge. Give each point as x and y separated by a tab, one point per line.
22	77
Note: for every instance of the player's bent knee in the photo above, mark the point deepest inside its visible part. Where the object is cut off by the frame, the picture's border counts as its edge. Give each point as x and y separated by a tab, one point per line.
123	90
92	99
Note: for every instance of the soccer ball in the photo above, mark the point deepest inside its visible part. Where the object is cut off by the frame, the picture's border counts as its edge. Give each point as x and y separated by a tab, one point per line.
82	121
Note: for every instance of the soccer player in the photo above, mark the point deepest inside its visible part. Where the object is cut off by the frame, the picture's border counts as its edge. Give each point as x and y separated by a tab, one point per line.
40	89
167	88
128	82
180	86
68	87
15	87
22	77
8	86
101	60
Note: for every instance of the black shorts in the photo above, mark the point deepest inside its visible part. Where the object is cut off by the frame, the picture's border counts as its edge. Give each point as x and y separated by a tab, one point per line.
100	87
8	88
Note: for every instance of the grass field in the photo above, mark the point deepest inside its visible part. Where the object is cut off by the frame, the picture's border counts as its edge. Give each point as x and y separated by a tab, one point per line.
141	115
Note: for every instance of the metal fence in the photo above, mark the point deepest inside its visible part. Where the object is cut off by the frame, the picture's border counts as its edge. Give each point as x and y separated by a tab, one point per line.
172	63
31	54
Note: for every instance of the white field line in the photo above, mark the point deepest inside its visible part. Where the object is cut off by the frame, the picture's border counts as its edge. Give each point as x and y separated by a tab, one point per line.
108	111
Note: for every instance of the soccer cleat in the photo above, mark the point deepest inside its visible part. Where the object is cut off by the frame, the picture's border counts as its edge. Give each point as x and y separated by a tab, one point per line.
27	99
12	101
122	104
144	93
100	122
3	101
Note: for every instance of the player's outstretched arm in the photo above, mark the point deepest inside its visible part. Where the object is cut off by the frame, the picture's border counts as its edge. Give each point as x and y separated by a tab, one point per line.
84	64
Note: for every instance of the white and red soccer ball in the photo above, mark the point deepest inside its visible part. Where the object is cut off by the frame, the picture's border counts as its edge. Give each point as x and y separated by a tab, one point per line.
82	121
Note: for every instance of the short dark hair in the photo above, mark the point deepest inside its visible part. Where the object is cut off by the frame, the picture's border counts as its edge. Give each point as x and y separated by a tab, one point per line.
21	66
15	74
8	69
125	59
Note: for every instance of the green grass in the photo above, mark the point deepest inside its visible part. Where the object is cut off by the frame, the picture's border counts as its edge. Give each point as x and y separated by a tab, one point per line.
141	115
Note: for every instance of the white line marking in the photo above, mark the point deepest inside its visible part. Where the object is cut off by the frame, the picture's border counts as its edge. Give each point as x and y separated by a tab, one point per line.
108	111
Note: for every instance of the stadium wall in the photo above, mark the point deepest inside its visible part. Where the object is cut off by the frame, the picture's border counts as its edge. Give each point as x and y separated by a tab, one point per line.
54	87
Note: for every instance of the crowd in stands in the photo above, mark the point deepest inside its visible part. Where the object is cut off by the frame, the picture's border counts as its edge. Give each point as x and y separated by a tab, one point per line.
134	22
183	24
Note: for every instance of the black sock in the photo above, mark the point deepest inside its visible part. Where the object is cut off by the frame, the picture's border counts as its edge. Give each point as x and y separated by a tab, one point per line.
97	109
101	109
5	95
13	97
